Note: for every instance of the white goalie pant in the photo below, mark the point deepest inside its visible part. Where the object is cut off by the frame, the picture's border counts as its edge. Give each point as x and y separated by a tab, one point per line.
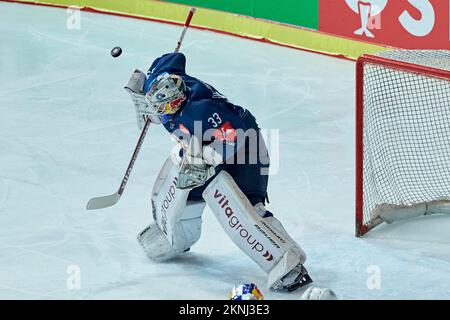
262	239
177	222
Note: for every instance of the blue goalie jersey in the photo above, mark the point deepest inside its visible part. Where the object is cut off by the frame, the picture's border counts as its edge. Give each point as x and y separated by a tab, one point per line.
209	116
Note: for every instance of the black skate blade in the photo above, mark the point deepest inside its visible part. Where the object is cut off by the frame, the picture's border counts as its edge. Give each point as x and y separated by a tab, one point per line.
301	281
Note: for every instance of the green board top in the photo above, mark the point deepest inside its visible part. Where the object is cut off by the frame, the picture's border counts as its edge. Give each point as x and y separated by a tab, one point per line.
304	13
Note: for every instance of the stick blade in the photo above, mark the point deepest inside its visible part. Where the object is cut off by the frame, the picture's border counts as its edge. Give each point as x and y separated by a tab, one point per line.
103	202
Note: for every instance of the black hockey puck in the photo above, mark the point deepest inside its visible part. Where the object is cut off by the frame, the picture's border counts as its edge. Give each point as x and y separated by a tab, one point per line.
116	51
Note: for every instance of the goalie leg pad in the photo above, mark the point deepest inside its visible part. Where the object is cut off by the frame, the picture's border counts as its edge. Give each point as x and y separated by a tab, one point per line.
268	245
155	244
289	273
185	234
188	230
275	224
177	223
168	202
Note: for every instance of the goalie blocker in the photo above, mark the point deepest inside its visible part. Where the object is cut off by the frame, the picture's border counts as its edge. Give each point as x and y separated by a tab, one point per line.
177	227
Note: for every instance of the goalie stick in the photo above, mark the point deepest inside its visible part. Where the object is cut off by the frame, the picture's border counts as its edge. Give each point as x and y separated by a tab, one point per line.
110	200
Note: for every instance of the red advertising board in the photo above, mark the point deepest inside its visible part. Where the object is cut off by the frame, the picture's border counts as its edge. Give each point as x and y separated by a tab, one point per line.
410	24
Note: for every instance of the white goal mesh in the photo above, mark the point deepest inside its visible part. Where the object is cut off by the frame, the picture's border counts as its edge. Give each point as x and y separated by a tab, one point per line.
405	149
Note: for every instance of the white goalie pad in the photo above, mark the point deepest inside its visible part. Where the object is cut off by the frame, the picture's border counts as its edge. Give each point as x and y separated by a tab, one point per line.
168	202
248	230
185	233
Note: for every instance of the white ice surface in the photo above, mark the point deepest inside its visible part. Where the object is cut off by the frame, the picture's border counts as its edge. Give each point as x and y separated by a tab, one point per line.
67	131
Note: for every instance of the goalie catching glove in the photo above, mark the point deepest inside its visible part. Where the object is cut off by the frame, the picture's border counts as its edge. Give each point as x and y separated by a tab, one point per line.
135	88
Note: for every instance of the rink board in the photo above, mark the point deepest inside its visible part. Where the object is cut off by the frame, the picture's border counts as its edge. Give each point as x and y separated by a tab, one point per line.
233	24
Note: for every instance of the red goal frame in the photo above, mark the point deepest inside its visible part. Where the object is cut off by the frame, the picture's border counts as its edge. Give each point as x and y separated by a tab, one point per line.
362	228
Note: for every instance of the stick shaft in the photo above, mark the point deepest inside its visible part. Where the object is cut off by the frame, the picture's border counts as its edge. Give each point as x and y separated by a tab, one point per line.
134	157
102	202
186	26
147	123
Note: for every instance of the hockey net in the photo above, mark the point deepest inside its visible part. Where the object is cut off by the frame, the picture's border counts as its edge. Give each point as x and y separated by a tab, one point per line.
402	134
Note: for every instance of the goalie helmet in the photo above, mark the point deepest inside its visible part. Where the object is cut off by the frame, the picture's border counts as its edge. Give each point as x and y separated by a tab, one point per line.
166	94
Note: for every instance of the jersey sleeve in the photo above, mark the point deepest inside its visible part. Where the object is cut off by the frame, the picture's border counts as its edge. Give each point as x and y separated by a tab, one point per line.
174	63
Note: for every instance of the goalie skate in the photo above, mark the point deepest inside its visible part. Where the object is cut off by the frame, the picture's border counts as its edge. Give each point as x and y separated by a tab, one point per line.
296	278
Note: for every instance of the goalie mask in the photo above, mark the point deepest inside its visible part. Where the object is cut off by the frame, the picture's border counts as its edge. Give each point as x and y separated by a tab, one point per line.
166	94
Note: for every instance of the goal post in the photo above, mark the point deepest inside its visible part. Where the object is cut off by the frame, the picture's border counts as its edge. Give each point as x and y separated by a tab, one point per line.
402	136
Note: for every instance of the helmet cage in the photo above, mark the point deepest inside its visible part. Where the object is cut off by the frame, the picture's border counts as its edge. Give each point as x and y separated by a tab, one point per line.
166	95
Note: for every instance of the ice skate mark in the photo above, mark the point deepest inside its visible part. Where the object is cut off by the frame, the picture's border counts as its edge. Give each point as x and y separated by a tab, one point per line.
304	179
38	34
99	128
22	181
26	248
271	78
300	183
132	30
112	286
125	251
187	45
34	294
306	93
4	195
266	80
255	78
75	135
38	156
44	83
